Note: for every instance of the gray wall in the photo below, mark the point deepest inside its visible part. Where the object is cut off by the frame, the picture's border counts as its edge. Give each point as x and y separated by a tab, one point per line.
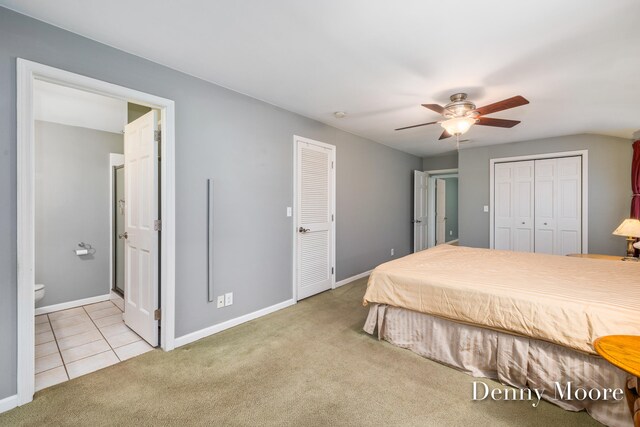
445	161
609	186
451	200
72	205
247	147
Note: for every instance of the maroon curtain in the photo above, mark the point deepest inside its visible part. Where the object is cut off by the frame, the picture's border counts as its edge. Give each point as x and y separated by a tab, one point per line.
635	181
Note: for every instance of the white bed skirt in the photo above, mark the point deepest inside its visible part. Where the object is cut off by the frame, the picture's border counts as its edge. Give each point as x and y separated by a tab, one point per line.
513	360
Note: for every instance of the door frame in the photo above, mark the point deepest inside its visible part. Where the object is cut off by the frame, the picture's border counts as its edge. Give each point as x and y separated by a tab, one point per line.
585	189
431	201
115	160
297	138
26	73
415	207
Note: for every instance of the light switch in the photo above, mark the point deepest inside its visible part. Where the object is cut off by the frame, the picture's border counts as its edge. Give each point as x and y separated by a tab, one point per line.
288	210
486	208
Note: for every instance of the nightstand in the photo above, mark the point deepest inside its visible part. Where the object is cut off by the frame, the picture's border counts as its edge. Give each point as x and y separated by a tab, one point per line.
623	351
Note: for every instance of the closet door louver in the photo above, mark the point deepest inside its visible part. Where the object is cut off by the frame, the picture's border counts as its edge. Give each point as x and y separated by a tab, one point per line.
314	231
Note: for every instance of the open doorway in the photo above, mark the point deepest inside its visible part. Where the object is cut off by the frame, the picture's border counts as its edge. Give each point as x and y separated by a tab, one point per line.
69	146
446	209
435	208
85	321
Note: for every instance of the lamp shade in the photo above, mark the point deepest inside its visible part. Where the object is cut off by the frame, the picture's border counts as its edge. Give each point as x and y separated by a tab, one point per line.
629	228
458	125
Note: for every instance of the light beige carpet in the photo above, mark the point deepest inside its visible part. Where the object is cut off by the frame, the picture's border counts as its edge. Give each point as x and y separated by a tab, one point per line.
308	365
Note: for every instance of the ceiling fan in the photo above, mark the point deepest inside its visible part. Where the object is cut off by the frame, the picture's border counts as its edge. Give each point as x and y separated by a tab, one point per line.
460	114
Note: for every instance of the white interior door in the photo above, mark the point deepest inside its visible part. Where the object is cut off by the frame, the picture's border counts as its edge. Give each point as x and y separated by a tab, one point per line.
315	184
514	206
420	224
141	211
559	205
569	205
441	211
523	197
503	206
546	208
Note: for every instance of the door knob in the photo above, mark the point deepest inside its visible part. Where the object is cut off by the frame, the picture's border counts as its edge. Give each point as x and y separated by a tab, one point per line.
303	230
522	222
124	235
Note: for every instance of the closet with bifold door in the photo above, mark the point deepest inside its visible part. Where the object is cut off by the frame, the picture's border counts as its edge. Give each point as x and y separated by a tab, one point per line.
537	205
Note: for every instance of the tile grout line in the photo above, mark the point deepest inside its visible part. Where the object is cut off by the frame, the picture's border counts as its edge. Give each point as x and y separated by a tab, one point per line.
90	342
55	339
105	338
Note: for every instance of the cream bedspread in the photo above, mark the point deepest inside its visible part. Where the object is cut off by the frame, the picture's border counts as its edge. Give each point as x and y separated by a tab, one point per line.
564	300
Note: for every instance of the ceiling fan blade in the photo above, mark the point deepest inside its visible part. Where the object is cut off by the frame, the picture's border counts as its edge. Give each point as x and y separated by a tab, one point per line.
500	123
505	104
434	107
444	135
415	126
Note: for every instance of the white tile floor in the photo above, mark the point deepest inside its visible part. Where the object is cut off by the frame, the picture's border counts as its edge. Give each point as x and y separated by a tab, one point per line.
75	342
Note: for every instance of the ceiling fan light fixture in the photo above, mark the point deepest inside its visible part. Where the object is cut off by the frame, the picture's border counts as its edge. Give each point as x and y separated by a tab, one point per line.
458	125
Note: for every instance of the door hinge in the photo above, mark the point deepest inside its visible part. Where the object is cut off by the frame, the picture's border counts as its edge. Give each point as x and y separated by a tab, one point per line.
157	225
157	135
331	270
157	314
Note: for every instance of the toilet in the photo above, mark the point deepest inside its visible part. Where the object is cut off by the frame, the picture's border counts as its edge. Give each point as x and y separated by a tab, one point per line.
39	289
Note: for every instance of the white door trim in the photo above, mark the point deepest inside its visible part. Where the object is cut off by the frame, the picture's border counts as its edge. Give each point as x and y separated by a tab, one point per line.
26	73
294	230
585	188
431	200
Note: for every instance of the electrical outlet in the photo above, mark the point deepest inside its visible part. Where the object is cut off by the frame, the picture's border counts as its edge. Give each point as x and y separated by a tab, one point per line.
485	208
392	251
289	213
228	299
450	232
220	301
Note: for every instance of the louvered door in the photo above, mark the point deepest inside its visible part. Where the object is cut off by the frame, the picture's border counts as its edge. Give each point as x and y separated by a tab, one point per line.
315	177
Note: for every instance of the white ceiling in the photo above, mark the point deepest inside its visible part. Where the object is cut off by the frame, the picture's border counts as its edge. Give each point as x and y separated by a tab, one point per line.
73	107
577	61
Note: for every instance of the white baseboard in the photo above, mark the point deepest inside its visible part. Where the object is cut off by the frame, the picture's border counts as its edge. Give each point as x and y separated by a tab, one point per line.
71	304
352	278
195	336
8	403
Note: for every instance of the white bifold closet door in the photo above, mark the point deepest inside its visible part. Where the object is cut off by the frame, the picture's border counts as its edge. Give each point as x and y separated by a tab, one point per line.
538	206
514	199
558	206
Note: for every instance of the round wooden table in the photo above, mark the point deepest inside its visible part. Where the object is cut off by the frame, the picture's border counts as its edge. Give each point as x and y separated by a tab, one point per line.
623	351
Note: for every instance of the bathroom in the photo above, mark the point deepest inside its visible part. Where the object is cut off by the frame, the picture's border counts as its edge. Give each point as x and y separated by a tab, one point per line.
79	229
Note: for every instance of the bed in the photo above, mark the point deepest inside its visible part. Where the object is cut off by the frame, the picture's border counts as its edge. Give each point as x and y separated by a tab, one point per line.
527	320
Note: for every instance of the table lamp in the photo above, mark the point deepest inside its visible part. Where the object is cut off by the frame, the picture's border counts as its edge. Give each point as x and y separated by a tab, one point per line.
630	228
